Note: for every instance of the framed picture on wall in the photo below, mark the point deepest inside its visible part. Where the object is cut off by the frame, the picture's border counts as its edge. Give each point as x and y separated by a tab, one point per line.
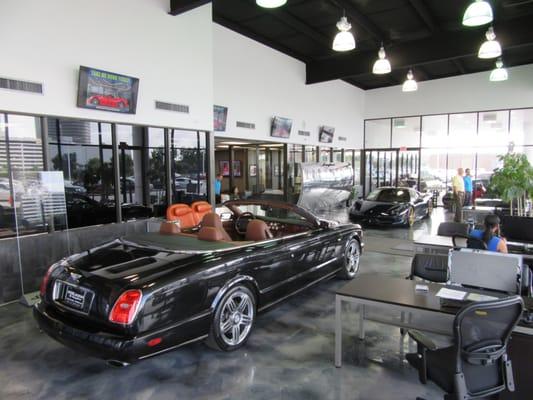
326	134
253	170
220	118
236	168
223	168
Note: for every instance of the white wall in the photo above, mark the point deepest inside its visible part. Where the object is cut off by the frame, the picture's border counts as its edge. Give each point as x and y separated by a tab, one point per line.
256	83
472	92
47	40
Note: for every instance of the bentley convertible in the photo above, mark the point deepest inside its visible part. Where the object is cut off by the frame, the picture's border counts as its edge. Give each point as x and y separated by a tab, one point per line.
393	206
148	293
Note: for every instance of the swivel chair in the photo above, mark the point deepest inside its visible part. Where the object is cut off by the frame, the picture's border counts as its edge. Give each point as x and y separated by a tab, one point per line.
477	364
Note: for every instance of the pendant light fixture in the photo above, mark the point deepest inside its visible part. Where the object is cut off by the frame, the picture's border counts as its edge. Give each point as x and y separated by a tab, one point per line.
478	13
344	40
491	48
410	84
499	73
382	65
270	3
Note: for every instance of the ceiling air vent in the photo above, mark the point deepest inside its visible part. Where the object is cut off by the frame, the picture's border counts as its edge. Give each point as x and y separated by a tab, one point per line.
161	105
246	125
304	133
22	86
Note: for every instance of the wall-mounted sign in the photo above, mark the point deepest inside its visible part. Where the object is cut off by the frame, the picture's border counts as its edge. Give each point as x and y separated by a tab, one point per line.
304	133
342	138
107	91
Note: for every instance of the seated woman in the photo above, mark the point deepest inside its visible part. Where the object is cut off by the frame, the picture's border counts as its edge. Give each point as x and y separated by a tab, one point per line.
490	235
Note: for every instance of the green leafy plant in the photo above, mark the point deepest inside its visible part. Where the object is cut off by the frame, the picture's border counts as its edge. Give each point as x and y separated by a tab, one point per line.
514	181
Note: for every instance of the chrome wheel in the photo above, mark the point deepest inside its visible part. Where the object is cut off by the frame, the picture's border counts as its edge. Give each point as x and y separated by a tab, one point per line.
236	318
352	258
411	217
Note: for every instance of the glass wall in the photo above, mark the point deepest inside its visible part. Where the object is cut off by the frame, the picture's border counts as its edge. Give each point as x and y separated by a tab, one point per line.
444	143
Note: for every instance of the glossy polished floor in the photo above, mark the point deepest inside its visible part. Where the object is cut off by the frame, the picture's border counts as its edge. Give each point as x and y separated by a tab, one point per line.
289	355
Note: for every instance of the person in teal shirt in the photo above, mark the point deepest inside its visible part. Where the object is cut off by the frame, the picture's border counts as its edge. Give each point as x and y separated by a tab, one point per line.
468	187
218	188
491	234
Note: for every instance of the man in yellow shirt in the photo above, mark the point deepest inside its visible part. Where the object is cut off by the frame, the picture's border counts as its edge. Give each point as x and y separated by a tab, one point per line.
458	186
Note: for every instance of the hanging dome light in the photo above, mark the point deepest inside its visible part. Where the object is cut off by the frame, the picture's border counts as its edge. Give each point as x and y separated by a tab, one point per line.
270	3
382	65
410	84
478	13
491	48
344	40
499	73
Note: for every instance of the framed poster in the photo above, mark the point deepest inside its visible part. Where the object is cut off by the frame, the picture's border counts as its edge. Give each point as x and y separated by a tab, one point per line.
220	118
236	168
253	170
326	134
281	127
108	91
223	168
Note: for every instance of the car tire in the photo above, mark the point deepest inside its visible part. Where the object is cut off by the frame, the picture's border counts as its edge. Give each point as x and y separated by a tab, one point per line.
410	218
95	102
121	105
233	319
351	259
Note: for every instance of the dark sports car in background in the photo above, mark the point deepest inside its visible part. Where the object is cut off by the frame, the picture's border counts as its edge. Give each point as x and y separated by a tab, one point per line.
83	211
144	294
392	206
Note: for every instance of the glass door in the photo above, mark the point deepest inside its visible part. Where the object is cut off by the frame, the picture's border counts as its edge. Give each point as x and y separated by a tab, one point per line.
381	169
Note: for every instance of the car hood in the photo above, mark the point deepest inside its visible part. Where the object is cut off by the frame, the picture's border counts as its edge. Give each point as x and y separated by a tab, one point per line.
367	207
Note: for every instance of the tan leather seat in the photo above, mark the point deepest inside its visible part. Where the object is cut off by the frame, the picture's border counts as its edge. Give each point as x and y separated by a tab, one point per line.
258	230
210	234
169	228
212	220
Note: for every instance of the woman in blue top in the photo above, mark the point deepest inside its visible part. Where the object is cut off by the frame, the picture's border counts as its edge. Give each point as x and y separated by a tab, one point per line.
491	234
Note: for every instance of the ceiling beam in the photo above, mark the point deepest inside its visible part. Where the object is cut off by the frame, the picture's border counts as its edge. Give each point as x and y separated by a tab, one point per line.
234	26
442	46
180	6
361	20
459	65
423	12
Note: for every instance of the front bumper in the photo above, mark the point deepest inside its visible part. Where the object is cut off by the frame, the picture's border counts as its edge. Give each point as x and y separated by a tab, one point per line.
378	219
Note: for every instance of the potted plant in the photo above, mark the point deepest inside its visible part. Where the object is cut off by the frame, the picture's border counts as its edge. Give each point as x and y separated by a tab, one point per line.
514	182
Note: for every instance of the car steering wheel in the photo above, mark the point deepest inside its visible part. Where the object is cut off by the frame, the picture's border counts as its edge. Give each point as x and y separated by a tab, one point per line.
242	222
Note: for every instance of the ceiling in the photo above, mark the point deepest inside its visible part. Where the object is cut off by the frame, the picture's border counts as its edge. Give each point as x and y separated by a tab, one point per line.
425	35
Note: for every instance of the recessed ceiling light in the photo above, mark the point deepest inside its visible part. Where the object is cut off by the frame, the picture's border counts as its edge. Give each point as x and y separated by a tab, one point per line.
234	143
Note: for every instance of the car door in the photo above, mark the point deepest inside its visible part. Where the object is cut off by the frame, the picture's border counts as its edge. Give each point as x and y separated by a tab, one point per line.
418	202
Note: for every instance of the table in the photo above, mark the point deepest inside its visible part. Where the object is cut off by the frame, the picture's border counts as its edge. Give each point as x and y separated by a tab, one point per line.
434	244
423	311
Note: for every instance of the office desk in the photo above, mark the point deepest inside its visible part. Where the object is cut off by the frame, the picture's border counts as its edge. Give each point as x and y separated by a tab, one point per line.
402	306
434	244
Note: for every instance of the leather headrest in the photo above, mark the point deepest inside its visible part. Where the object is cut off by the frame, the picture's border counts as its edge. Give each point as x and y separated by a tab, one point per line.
203	207
177	210
210	234
211	219
169	228
257	230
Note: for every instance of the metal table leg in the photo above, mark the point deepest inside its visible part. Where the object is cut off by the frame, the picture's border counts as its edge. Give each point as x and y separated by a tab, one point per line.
338	332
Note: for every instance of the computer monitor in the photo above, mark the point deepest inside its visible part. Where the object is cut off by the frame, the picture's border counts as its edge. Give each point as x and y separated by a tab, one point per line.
486	270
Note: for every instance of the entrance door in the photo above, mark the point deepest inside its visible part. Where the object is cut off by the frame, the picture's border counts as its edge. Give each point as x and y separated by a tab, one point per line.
391	167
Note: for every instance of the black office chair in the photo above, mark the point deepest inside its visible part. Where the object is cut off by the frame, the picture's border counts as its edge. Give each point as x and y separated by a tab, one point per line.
471	242
477	364
452	228
430	267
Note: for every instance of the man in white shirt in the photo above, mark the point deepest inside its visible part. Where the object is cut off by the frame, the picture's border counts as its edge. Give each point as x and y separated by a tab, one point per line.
458	186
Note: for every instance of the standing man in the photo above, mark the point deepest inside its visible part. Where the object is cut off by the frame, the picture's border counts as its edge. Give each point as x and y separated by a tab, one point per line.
468	187
218	188
458	186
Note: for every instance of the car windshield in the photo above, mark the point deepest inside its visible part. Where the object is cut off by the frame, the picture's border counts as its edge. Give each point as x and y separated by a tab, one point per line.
390	195
270	212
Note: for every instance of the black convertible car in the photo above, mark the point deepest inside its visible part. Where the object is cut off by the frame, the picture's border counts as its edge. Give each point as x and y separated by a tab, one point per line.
392	206
144	294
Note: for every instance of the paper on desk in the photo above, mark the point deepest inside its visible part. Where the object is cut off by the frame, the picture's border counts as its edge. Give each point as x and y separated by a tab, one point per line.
480	297
446	293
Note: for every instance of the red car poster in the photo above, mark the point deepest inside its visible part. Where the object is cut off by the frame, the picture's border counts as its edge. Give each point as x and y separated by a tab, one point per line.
107	91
